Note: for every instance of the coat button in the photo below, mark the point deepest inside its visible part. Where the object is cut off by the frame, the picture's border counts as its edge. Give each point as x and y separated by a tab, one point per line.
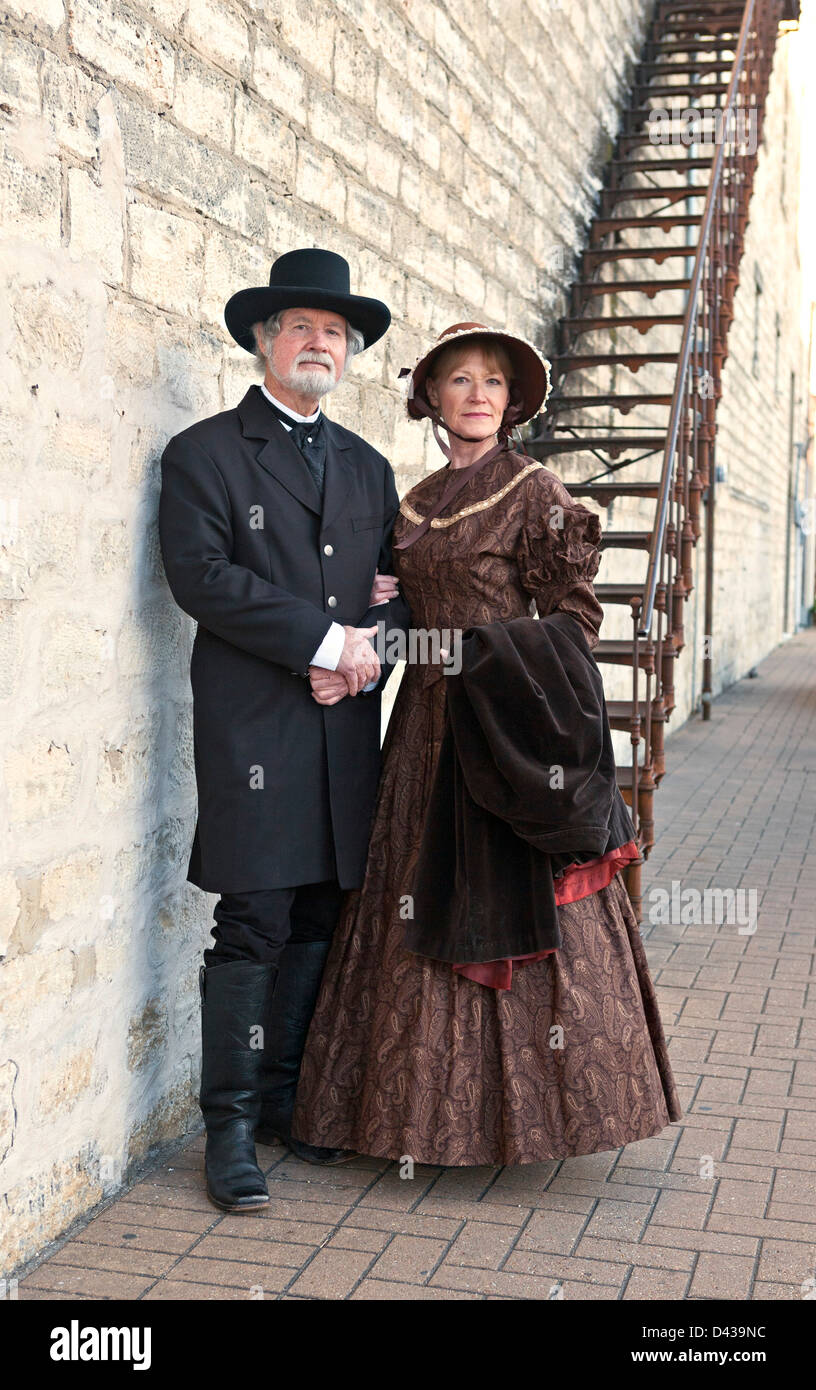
332	601
328	550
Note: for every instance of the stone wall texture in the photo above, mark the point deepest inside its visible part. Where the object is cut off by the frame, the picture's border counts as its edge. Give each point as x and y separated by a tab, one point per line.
157	155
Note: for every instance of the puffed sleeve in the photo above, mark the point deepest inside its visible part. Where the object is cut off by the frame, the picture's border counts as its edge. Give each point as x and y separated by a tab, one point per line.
558	554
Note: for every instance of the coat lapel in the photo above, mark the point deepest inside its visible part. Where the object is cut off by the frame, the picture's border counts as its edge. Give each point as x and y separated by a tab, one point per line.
279	456
339	473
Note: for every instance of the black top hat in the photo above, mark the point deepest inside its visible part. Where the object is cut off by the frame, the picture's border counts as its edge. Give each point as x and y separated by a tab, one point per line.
306	279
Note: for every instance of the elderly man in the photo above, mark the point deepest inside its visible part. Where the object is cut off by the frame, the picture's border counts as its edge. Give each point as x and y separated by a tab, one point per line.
275	527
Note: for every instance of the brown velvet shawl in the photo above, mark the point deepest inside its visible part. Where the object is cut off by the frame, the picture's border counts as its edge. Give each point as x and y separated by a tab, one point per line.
524	786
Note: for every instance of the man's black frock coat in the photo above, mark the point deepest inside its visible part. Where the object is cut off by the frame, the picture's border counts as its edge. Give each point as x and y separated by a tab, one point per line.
286	787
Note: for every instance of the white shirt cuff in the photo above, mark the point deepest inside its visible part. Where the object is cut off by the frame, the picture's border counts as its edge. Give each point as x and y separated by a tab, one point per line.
331	648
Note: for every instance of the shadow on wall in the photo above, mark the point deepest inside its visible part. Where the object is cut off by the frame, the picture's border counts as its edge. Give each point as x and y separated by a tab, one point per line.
100	1059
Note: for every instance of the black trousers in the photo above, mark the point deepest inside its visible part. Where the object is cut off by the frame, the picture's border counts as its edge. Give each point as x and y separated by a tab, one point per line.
256	926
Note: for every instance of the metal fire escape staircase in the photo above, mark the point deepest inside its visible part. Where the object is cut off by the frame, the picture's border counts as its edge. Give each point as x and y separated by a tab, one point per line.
670	228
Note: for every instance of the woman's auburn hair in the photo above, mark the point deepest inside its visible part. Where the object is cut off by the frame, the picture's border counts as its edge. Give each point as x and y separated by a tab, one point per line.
495	355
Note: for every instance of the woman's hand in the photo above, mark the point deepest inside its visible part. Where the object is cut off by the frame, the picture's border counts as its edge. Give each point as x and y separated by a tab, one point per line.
385	587
328	687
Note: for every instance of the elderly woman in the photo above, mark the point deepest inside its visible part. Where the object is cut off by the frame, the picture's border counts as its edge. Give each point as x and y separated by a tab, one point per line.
532	1054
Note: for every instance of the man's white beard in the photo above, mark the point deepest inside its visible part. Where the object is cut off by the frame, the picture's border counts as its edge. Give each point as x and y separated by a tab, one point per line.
312	382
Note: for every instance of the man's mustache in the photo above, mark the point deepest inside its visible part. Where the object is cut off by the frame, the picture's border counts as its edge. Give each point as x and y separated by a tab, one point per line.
306	358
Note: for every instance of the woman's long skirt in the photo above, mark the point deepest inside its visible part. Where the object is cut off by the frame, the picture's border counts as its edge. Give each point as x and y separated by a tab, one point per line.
407	1057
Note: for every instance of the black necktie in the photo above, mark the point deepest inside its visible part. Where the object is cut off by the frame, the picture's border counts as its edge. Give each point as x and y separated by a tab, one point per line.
309	438
311	441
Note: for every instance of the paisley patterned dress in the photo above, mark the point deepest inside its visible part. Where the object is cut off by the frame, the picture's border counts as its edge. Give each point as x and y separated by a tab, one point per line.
405	1056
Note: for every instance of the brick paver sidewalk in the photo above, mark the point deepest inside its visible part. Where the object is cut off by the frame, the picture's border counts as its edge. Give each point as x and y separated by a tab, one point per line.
720	1205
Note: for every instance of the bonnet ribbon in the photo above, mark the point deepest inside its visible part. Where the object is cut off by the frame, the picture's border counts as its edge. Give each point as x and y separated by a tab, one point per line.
454	487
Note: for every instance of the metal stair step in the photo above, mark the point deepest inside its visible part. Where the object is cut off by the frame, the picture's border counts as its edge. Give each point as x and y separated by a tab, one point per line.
618	593
598	254
677	112
619	653
577	362
602	322
620	488
704	45
633	139
626	540
623	403
702	9
694	89
724	32
620	713
597	289
607	226
611	444
647	165
704	67
678	194
699	14
623	777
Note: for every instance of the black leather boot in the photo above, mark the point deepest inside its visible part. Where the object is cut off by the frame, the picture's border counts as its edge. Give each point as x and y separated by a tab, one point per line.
235	1001
300	970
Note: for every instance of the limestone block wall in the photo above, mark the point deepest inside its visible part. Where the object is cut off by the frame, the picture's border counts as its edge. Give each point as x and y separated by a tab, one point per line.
156	156
764	409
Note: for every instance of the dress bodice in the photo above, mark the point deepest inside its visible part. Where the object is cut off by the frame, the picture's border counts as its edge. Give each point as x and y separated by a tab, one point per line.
513	538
